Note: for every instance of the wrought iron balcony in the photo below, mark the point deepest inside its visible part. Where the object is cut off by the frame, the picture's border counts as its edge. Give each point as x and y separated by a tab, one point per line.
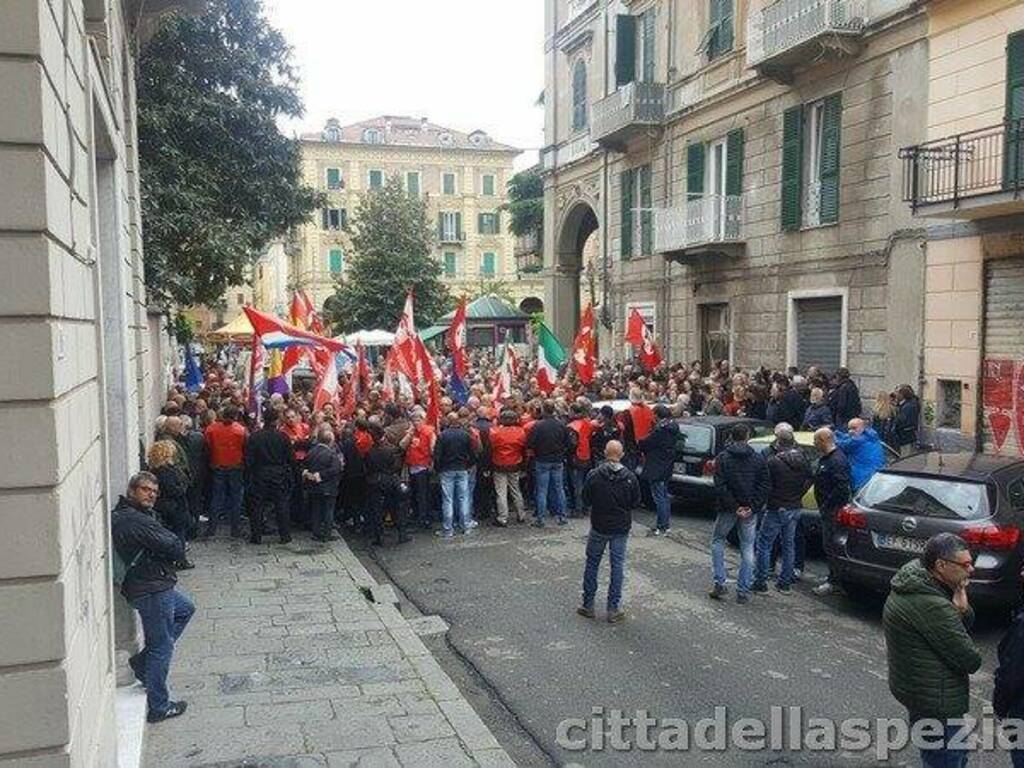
790	32
628	112
568	152
451	237
973	175
710	224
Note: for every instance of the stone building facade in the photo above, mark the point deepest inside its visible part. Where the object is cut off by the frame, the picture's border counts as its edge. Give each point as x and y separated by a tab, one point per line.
734	162
462	176
85	365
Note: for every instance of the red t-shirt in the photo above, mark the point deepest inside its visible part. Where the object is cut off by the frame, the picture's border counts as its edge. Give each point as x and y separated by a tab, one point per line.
508	445
583	429
643	420
226	443
418	454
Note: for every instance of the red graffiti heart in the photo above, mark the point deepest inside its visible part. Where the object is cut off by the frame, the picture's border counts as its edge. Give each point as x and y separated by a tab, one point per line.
1000	427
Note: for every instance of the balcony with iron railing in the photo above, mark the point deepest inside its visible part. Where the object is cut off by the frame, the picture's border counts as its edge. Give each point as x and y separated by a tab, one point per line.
791	32
451	237
973	175
712	224
629	112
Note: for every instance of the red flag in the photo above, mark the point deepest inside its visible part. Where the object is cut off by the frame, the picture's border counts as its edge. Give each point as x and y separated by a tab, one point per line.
583	347
348	400
299	318
639	335
327	385
404	346
277	334
362	370
313	321
457	341
434	404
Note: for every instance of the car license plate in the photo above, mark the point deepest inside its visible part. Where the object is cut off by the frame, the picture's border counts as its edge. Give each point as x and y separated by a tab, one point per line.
902	543
679	468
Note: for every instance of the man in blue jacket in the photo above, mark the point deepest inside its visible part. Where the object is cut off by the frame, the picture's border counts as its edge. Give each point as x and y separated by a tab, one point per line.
864	452
659	451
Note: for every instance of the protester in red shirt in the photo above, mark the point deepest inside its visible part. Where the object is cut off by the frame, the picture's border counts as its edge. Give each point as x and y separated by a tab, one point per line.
507	441
637	423
582	427
225	443
418	445
297	431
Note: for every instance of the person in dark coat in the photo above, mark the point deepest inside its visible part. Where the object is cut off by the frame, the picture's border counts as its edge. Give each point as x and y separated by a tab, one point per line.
355	445
818	413
833	489
741	488
607	430
551	443
172	504
322	476
908	416
786	404
612	492
844	400
1008	693
147	552
384	491
194	443
659	452
454	455
268	460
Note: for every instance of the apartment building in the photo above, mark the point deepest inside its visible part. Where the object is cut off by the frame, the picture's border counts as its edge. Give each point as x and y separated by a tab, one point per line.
729	167
270	280
85	367
963	184
205	318
462	176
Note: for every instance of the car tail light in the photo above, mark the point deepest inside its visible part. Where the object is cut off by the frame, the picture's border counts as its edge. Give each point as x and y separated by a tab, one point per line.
851	517
709	468
991	536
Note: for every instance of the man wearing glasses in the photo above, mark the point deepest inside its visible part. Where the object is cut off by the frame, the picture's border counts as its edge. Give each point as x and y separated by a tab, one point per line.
931	655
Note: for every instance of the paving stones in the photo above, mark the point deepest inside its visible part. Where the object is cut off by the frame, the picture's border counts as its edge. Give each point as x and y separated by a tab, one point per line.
296	658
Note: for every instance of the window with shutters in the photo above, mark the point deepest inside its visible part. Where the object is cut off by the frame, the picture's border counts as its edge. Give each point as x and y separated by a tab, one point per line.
334	218
816	328
412	183
579	96
635	48
810	164
448	183
450	264
645	46
487	224
487	185
376	179
334	180
637	213
488	264
1013	151
450	226
721	33
336	261
714	176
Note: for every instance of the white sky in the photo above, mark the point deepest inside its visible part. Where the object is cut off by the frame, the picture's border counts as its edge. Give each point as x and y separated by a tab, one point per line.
464	64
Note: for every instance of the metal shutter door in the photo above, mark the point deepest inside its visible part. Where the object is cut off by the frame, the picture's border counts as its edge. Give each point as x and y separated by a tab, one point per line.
1004	338
819	332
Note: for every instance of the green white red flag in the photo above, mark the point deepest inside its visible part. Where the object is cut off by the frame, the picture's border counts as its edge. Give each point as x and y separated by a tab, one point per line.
550	357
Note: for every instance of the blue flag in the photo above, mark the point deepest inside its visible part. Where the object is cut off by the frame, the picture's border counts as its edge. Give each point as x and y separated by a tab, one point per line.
193	376
457	387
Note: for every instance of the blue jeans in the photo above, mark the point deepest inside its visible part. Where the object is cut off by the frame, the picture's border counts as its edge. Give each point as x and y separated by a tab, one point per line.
455	483
662	504
943	756
773	523
164	617
579	477
226	499
550	473
747	529
596	543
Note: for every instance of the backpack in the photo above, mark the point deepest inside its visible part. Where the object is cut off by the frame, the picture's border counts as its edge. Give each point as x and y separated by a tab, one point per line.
120	570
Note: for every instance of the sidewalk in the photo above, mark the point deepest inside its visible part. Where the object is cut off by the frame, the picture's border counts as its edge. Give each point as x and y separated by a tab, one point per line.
288	664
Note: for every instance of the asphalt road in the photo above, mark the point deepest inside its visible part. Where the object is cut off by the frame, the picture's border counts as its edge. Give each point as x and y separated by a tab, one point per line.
509	596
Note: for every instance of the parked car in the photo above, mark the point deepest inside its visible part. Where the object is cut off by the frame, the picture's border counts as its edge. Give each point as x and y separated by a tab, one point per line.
617	405
809	516
976	496
702	438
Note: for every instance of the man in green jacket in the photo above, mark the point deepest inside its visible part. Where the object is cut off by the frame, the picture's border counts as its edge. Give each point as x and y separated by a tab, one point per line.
931	655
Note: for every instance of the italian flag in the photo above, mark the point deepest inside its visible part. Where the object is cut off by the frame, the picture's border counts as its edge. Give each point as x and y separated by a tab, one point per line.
550	357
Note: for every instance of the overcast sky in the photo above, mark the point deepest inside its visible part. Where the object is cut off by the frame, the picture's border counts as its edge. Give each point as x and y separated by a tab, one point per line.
464	64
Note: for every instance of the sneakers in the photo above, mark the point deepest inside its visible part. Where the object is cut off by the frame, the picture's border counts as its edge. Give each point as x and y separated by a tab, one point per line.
174	709
742	598
471	525
614	617
759	587
718	592
587	613
784	589
656	532
825	588
500	523
797	574
537	523
446	535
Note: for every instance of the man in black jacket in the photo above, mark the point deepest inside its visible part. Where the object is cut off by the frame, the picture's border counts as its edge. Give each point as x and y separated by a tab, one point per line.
741	487
612	491
844	400
789	472
550	442
148	552
1008	694
384	491
908	414
659	452
322	475
832	490
454	454
268	459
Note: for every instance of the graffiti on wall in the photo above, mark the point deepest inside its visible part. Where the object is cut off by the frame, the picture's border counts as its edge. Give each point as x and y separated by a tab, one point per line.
1003	401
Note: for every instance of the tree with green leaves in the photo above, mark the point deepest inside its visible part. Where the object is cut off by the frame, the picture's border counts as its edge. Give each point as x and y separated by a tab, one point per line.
392	244
218	179
526	202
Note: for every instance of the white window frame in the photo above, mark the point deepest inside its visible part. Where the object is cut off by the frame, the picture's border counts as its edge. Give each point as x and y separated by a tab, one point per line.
494	184
814	123
715	180
383	177
455	183
449	228
792	297
732	325
419	182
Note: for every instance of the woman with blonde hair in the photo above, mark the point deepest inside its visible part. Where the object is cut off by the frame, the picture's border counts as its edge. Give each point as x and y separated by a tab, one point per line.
883	420
172	503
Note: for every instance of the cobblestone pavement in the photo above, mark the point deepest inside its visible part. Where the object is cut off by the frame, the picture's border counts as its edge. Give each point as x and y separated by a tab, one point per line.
290	663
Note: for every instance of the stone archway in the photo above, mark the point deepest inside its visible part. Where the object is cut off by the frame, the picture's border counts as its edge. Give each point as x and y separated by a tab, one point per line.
531	305
577	234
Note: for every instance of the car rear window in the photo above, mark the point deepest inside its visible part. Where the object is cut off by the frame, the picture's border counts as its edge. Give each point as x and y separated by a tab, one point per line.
697	436
926	496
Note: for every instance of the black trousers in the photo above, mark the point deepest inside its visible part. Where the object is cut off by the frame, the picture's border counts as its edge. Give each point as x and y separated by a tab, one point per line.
274	492
423	497
321	510
384	495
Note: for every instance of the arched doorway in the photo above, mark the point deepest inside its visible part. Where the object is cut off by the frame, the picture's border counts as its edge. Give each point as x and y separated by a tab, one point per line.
531	305
576	277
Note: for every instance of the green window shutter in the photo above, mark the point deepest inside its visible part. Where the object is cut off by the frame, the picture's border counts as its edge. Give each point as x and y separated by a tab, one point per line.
792	168
626	199
487	267
734	162
694	171
480	224
832	119
646	214
488	185
497	222
625	50
440	226
343	214
458	225
725	26
648	20
326	222
337	261
376	180
333	178
412	183
579	96
1013	154
449	264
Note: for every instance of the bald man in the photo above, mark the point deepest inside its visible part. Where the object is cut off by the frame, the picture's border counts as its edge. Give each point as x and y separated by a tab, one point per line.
832	489
612	492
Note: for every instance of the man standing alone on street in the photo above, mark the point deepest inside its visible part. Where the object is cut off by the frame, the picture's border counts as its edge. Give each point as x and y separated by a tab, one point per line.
741	488
611	491
931	655
659	451
148	552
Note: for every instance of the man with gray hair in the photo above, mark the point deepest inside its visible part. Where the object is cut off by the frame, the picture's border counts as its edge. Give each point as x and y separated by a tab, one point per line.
790	476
